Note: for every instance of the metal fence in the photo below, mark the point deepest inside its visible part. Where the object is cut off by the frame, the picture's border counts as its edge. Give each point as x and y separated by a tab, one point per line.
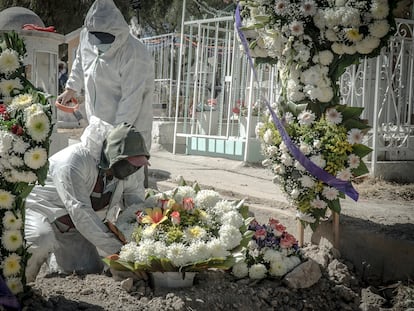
203	80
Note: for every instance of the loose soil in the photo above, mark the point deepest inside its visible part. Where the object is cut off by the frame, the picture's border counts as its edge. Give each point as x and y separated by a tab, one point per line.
220	291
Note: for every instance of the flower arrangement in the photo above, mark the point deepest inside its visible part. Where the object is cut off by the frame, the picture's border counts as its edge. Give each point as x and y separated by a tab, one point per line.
187	229
312	42
25	128
271	252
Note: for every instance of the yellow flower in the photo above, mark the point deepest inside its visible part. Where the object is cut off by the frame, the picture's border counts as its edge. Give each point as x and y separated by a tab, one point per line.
11	265
6	199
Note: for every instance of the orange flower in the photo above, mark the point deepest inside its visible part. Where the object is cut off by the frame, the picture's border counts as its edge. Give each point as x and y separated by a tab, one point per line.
154	216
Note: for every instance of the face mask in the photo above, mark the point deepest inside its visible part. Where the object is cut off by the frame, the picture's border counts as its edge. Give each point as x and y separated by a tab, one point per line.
103	47
122	169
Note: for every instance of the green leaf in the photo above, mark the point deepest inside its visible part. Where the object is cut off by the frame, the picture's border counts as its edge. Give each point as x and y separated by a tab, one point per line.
335	206
361	150
350	112
362	169
355	124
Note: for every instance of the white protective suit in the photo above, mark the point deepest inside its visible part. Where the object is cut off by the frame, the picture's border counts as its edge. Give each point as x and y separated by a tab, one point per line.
72	175
118	83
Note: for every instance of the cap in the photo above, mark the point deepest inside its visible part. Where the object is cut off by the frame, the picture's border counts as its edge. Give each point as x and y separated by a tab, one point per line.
124	142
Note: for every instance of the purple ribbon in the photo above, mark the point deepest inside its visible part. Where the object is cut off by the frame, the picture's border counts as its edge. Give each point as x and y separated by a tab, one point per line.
7	299
319	173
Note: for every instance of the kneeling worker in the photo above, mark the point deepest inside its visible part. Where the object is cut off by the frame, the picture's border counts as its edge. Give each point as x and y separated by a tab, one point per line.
88	183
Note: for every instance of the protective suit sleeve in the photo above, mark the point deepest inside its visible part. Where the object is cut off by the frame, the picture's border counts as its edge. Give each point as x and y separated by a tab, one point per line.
71	187
76	76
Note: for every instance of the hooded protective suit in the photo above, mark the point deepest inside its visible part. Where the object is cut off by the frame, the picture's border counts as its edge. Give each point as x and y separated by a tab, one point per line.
118	82
73	173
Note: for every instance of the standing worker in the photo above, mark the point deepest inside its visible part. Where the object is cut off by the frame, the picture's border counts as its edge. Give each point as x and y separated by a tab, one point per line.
115	70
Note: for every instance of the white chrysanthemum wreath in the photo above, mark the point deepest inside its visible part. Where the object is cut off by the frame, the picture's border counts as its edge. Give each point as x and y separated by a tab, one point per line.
25	129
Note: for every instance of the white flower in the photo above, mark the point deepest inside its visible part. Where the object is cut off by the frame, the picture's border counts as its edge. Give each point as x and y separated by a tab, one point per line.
318	160
272	255
367	45
21	102
6	199
305	217
317	144
240	269
194	233
379	9
38	126
15	285
257	271
345	174
308	8
286	159
324	94
353	35
9	61
299	166
16	161
338	48
306	117
279	169
353	161
307	181
267	136
6	140
184	192
128	251
333	116
267	162
317	203
12	240
11	265
281	7
295	193
271	151
207	198
305	148
355	136
217	249
230	236
7	86
35	158
232	218
379	28
330	193
19	145
11	222
15	176
325	57
296	27
198	251
278	268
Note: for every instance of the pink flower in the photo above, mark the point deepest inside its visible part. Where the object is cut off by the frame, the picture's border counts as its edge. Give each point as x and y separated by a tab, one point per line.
260	234
139	215
277	227
287	240
175	217
188	203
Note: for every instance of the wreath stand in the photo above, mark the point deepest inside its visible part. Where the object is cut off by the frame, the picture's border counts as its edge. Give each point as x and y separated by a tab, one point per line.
335	228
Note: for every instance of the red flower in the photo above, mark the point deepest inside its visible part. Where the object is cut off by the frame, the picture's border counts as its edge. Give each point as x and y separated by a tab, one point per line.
4	113
236	110
17	130
139	215
277	227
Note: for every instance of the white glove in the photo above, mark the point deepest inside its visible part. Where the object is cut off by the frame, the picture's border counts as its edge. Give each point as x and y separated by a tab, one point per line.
66	96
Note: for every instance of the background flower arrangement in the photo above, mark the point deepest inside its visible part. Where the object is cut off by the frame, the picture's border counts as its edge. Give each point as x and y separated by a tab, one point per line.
271	252
312	42
186	229
25	129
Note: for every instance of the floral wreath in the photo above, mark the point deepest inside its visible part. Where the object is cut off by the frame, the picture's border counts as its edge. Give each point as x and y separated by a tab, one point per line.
320	142
25	129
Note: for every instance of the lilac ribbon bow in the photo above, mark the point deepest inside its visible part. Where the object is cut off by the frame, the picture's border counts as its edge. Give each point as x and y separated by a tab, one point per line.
341	185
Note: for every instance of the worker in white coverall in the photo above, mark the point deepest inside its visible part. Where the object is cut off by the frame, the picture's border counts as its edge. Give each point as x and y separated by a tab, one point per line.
88	183
115	70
